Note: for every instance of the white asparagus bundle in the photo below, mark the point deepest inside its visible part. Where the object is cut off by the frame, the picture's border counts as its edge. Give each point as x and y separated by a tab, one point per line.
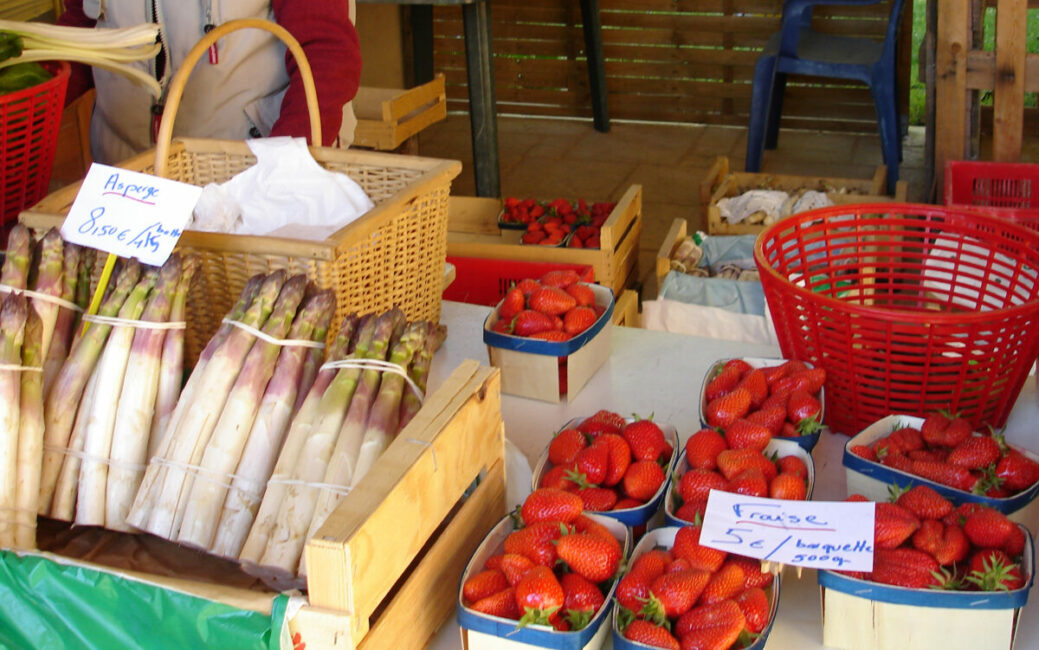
411	402
30	433
271	426
115	483
224	448
299	430
188	440
13	312
65	395
97	435
67	318
49	282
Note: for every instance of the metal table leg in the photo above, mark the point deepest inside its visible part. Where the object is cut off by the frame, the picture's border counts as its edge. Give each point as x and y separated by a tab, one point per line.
476	19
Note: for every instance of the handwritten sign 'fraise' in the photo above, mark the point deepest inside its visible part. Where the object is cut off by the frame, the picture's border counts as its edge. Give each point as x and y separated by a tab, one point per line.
835	535
130	214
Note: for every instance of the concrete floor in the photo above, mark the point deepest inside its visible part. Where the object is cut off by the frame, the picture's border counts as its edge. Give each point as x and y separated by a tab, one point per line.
549	158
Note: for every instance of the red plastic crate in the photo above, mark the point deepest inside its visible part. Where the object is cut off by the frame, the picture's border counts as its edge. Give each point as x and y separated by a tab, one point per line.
1005	190
484	281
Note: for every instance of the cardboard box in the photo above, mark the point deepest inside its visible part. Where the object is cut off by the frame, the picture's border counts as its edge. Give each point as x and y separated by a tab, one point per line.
548	370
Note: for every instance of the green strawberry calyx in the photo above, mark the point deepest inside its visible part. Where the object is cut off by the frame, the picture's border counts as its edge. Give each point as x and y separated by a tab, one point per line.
535	616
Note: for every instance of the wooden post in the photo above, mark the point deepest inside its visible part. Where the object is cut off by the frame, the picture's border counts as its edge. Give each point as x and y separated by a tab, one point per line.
951	122
1009	93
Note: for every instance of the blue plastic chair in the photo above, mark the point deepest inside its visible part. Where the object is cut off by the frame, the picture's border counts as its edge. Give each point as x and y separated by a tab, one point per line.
798	49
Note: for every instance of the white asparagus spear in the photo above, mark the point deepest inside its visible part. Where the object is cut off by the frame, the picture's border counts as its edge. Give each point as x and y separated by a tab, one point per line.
13	312
30	433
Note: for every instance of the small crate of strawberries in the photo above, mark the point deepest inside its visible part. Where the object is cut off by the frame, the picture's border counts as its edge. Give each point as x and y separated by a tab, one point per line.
559	222
944	576
780	470
941	451
785	396
679	594
543	578
549	336
619	467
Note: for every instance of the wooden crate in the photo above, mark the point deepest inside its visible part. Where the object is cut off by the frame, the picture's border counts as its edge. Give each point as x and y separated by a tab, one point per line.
387	117
675	234
626	309
721	183
402	537
473	232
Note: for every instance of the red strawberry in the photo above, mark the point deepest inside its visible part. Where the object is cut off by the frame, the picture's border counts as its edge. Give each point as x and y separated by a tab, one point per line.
648	633
674	593
940	429
515	566
538	596
687	546
585	524
711	626
740	365
619	454
565	446
754	574
801	406
893	525
581	599
725	583
703	447
925	502
482	584
944	473
633	590
1017	470
530	322
527	286
734	461
582	294
722	411
792	465
550	504
551	300
562	278
692	511
975	452
815	378
559	477
513	303
501	604
988	528
862	451
535	542
960	514
643	479
696	484
904	567
722	383
754	604
626	503
615	420
502	326
946	544
993	570
597	499
593	462
578	320
906	439
936	455
1015	544
744	434
754	382
776	400
750	482
789	487
589	555
646	440
555	336
897	460
772	418
652	563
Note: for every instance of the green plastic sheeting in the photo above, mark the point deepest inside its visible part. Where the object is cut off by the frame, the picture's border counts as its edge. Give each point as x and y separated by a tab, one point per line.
47	604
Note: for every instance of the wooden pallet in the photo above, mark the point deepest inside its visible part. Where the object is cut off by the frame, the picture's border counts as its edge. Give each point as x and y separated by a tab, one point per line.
473	232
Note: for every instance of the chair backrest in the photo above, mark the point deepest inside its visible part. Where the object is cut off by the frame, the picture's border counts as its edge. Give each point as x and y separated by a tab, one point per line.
891	35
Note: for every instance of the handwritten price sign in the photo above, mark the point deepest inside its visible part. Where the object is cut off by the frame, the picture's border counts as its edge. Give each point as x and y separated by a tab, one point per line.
814	534
130	214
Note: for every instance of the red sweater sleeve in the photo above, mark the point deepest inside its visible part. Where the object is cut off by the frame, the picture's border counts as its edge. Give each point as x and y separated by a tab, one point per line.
328	38
81	80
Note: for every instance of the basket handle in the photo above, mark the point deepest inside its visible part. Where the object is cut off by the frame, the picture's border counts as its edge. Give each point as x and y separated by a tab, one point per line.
180	79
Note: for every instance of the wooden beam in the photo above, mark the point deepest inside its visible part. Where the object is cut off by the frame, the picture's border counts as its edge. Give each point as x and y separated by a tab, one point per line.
1009	97
951	122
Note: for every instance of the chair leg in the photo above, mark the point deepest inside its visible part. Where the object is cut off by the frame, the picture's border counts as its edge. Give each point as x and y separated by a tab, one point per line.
775	110
889	129
760	99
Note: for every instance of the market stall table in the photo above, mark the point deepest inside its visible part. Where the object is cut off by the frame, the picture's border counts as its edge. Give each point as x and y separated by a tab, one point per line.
659	373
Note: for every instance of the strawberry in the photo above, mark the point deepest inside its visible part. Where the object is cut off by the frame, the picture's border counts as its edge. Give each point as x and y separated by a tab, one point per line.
993	570
711	626
550	504
754	604
603	421
648	633
538	596
560	279
581	599
555	336
1015	544
583	294
633	589
501	604
551	300
944	473
722	411
935	455
674	593
515	566
750	482
619	455
924	501
653	562
792	465
692	511
904	567
593	462
578	320
559	477
907	439
597	499
946	544
801	406
975	452
565	446
513	303
754	574
703	447
585	524
643	479
789	487
589	555
744	434
502	326
960	514
741	366
483	584
754	382
988	528
772	418
862	451
646	440
696	484
940	429
529	322
535	542
687	546
897	460
722	383
776	400
893	525
725	583
814	378
1018	471
734	461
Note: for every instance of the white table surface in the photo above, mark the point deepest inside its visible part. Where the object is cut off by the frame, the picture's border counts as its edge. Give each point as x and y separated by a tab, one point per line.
660	373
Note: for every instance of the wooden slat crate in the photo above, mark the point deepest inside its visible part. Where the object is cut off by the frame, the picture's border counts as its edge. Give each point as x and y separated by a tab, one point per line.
675	234
387	117
626	309
472	232
721	182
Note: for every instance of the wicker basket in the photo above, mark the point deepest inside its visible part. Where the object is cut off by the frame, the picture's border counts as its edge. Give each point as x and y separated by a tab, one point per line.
393	255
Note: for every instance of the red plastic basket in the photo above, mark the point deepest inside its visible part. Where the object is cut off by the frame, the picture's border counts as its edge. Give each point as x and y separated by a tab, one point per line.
1005	190
480	281
29	124
909	308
